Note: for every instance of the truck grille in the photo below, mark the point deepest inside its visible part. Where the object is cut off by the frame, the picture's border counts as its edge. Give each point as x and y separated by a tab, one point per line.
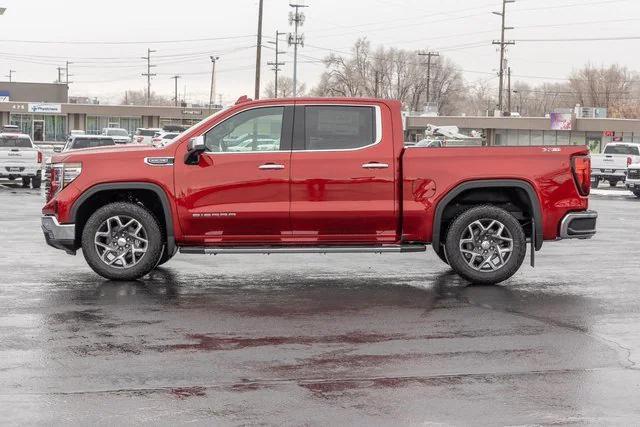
634	174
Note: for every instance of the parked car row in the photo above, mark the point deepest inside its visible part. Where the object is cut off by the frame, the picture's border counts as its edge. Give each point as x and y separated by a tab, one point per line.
613	164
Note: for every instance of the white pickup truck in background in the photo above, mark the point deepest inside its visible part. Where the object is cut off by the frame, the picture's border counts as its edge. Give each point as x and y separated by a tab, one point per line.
20	159
612	164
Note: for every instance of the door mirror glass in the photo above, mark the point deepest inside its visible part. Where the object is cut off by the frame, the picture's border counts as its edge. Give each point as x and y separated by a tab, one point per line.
195	147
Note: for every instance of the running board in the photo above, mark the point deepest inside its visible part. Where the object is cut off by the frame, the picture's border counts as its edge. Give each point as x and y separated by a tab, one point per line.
208	250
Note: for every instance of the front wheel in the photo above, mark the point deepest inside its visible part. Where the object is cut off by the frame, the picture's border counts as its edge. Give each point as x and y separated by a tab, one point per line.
613	183
122	241
486	245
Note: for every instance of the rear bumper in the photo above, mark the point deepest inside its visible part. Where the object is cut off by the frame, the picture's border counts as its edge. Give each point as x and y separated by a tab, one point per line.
19	171
59	236
579	225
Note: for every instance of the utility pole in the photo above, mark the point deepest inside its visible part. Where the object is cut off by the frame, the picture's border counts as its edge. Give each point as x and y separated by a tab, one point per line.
59	74
259	52
509	90
10	75
66	72
213	80
503	44
149	74
175	98
276	64
429	55
297	19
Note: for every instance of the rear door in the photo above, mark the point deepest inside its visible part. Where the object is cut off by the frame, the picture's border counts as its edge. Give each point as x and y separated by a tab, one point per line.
239	192
342	175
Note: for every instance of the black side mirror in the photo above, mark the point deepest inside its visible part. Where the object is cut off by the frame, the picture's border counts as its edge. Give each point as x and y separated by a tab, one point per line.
195	147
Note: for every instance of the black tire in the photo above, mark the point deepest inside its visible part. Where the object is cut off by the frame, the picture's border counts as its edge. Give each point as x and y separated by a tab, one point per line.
166	256
36	182
459	229
442	255
145	263
594	183
637	194
25	181
613	183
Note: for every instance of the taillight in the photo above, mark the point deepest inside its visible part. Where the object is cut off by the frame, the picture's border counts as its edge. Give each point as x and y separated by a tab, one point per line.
581	168
629	161
39	157
59	176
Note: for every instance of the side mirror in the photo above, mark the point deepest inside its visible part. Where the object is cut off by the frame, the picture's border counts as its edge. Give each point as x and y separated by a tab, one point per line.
57	149
195	147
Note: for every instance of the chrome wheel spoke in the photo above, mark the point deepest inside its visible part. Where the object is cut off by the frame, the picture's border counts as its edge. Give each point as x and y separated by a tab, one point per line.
486	245
121	241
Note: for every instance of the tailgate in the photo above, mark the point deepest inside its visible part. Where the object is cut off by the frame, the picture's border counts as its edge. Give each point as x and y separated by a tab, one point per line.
609	161
18	157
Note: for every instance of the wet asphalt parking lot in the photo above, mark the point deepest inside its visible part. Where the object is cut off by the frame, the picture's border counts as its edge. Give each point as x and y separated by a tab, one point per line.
315	339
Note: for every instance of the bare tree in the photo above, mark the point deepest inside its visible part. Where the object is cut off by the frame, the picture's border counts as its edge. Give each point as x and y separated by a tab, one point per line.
139	97
285	88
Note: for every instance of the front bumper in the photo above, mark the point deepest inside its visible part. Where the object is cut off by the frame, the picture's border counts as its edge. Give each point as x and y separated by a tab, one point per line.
59	236
579	225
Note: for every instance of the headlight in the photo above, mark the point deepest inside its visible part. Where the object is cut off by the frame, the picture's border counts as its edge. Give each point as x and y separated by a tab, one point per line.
60	175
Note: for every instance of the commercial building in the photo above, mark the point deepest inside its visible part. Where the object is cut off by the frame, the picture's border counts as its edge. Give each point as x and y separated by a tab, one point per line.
594	132
43	111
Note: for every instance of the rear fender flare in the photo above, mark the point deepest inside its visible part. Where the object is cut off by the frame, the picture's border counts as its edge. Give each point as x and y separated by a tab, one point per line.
498	183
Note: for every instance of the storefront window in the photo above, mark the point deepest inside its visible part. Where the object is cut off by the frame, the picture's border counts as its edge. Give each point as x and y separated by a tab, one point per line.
49	127
95	124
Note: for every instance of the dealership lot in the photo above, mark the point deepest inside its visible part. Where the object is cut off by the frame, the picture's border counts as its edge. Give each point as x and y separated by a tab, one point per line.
355	339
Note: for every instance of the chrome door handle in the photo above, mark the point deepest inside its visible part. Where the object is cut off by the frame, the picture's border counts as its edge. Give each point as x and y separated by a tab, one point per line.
271	166
375	165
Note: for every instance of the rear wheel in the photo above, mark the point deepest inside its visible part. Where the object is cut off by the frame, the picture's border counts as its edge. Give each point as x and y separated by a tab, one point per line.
637	193
485	245
595	182
613	183
122	241
25	181
442	254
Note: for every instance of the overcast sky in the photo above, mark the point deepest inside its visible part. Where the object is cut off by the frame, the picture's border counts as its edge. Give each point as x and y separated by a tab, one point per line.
460	29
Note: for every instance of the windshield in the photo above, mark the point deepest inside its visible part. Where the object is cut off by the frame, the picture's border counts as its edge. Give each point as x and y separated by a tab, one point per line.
179	136
79	143
146	132
117	132
18	141
170	136
629	150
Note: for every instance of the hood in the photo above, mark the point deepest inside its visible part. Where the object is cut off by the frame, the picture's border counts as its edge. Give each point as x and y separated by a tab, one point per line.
110	152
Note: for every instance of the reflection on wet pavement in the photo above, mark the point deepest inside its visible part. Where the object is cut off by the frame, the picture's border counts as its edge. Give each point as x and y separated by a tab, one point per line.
320	339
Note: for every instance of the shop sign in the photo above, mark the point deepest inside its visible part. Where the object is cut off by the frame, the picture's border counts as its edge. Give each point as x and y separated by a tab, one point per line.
5	96
192	112
44	108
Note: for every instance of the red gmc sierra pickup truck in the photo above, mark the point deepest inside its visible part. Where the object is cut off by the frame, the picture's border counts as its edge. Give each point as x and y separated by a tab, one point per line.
314	175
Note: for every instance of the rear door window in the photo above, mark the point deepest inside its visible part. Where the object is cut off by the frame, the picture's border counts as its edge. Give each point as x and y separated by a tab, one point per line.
333	127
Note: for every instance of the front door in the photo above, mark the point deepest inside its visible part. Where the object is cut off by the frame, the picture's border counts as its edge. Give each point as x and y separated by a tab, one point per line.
38	130
343	176
239	192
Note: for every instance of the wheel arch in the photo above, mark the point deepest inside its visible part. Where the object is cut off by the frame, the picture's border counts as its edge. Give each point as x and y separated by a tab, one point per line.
120	188
497	184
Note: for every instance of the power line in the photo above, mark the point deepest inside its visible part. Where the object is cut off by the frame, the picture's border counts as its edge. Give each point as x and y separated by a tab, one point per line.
83	42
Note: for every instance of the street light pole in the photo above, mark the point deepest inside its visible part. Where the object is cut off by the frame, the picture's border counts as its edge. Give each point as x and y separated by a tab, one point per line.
213	80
